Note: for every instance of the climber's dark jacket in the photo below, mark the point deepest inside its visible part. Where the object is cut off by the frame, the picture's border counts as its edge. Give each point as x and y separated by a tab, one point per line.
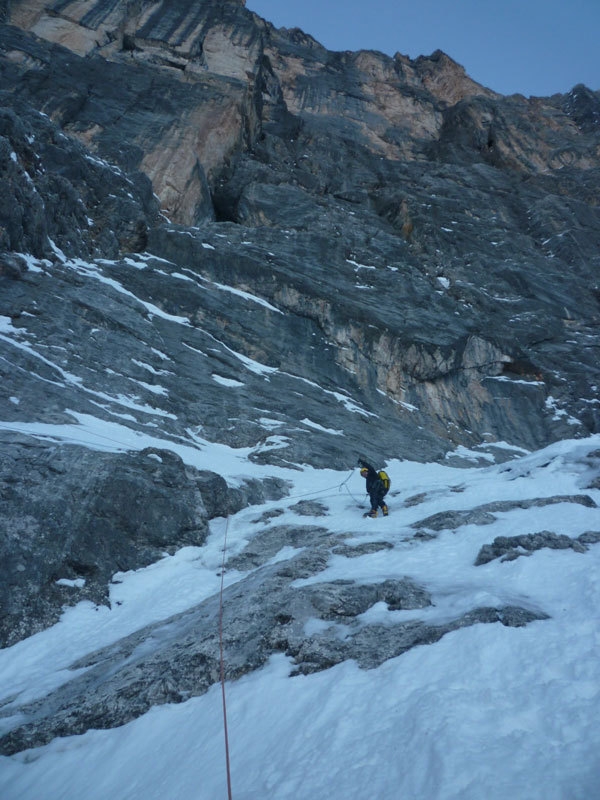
375	488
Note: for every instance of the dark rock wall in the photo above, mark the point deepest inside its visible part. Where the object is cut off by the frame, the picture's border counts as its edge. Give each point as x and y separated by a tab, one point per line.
55	190
71	514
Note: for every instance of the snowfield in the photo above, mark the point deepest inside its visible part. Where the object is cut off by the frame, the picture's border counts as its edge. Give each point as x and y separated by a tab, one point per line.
488	711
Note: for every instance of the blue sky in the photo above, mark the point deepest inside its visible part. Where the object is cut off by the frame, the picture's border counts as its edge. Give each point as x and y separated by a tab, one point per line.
535	47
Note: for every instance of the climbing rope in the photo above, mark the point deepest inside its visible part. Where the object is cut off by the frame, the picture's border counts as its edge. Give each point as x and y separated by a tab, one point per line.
221	653
222	660
344	484
359	503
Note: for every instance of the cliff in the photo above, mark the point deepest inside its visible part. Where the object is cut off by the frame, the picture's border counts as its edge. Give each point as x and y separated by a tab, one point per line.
214	231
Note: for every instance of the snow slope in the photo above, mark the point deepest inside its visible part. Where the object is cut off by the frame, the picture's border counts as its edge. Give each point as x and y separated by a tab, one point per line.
487	711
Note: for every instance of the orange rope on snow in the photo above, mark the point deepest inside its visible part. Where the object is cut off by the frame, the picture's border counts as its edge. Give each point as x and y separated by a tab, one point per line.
229	795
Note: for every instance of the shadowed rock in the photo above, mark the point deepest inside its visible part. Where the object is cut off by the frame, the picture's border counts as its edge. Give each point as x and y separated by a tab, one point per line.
508	548
484	514
72	517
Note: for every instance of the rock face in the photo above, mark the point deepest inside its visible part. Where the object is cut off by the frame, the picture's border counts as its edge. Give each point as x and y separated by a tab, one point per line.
443	239
77	516
511	547
71	517
224	232
58	193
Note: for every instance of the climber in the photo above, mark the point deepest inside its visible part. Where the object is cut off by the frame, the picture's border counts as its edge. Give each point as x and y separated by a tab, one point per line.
377	487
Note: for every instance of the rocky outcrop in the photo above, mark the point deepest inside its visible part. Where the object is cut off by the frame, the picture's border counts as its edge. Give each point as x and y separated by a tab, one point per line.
72	517
508	548
57	194
178	128
484	514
